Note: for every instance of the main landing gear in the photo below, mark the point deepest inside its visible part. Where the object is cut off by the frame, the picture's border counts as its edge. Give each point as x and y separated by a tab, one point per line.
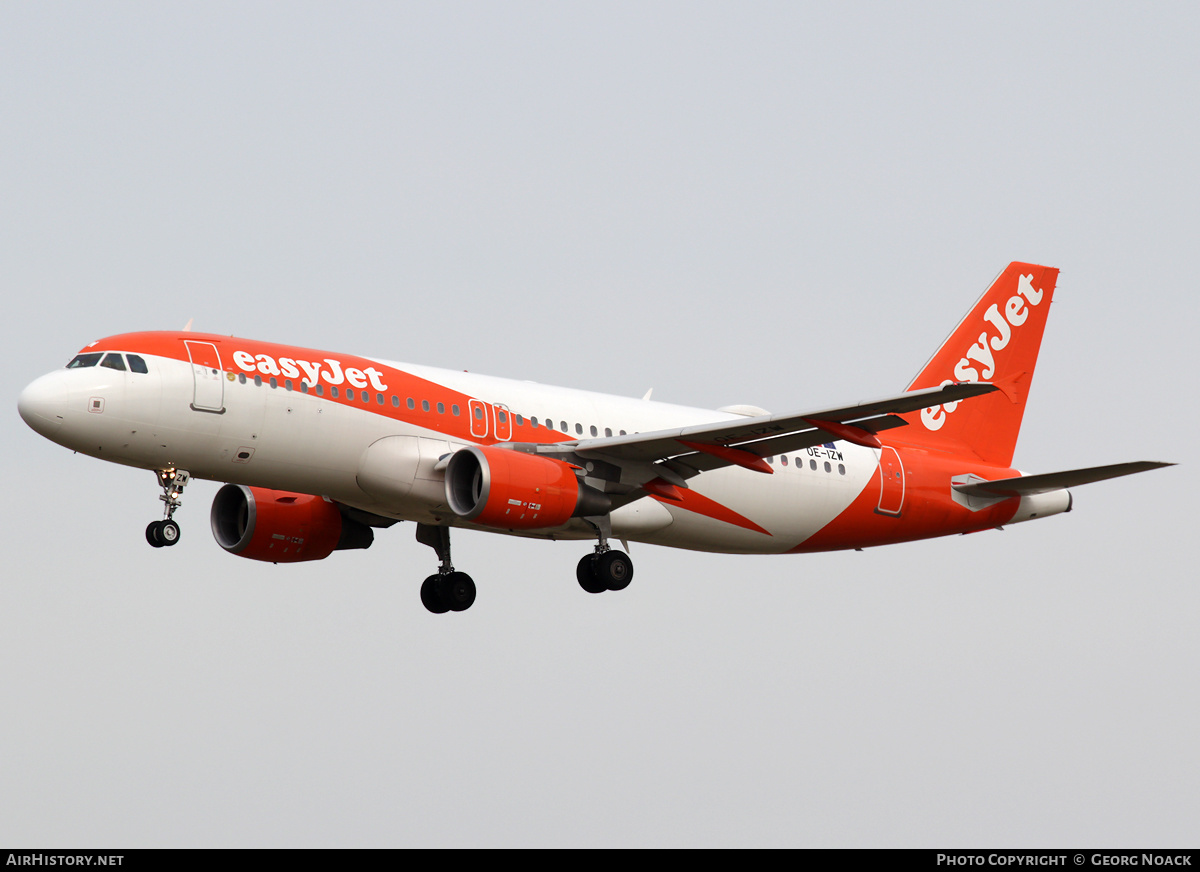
448	590
453	591
604	569
166	531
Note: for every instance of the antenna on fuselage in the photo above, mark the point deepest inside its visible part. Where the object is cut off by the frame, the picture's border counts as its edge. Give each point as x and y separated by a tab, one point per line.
187	328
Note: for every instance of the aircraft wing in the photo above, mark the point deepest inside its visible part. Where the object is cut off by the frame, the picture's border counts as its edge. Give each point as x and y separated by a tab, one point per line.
1051	481
678	454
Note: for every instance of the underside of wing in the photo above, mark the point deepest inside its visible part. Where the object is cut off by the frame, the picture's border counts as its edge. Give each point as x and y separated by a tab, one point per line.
1052	481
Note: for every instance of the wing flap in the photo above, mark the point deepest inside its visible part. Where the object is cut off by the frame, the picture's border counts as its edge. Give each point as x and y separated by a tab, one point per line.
703	462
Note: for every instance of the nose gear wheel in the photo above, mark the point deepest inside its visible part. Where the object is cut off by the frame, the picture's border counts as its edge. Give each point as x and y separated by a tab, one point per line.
166	531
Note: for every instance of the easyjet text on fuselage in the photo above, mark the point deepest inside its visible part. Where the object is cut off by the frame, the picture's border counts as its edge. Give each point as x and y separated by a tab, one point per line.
330	370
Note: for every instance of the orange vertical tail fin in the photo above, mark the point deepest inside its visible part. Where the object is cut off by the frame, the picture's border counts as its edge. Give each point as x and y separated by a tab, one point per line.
997	342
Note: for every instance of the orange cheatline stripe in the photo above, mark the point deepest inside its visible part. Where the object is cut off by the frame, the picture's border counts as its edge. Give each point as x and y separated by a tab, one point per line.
702	505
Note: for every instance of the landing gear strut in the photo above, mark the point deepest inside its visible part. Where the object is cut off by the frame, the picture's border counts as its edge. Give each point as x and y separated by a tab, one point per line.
166	531
448	590
604	569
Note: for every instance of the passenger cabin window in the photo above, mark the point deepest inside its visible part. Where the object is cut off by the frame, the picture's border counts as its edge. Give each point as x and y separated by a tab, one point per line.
114	361
137	364
82	360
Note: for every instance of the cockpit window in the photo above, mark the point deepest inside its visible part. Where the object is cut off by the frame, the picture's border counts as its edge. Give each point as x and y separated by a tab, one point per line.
137	364
113	361
89	359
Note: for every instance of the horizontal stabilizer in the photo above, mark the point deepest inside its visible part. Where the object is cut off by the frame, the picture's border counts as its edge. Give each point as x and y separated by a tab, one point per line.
1052	481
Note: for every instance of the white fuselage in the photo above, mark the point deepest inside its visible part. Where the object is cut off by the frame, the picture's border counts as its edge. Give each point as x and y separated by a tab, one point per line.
236	427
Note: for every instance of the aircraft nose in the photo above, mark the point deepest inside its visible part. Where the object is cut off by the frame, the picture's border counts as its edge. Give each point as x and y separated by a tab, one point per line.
43	403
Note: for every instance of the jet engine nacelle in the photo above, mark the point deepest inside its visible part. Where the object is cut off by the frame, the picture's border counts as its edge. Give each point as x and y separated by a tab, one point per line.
282	527
511	490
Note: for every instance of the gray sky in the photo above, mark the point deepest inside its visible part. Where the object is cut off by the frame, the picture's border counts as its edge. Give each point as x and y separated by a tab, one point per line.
782	204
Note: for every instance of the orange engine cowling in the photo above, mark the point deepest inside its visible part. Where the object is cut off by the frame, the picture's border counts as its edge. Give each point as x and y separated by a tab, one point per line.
282	527
511	490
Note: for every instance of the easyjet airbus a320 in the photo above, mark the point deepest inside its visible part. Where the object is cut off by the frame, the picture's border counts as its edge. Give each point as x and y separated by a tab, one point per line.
320	448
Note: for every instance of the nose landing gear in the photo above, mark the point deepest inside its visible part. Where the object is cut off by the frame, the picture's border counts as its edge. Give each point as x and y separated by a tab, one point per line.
166	531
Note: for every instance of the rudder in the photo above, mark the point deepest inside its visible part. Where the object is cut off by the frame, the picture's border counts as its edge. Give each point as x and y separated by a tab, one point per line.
998	342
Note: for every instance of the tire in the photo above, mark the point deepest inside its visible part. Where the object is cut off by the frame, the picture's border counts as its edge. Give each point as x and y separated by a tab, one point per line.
430	598
457	590
152	534
614	569
585	574
168	532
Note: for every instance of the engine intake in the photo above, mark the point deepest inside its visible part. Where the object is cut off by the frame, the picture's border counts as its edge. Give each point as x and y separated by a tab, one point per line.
281	527
510	490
